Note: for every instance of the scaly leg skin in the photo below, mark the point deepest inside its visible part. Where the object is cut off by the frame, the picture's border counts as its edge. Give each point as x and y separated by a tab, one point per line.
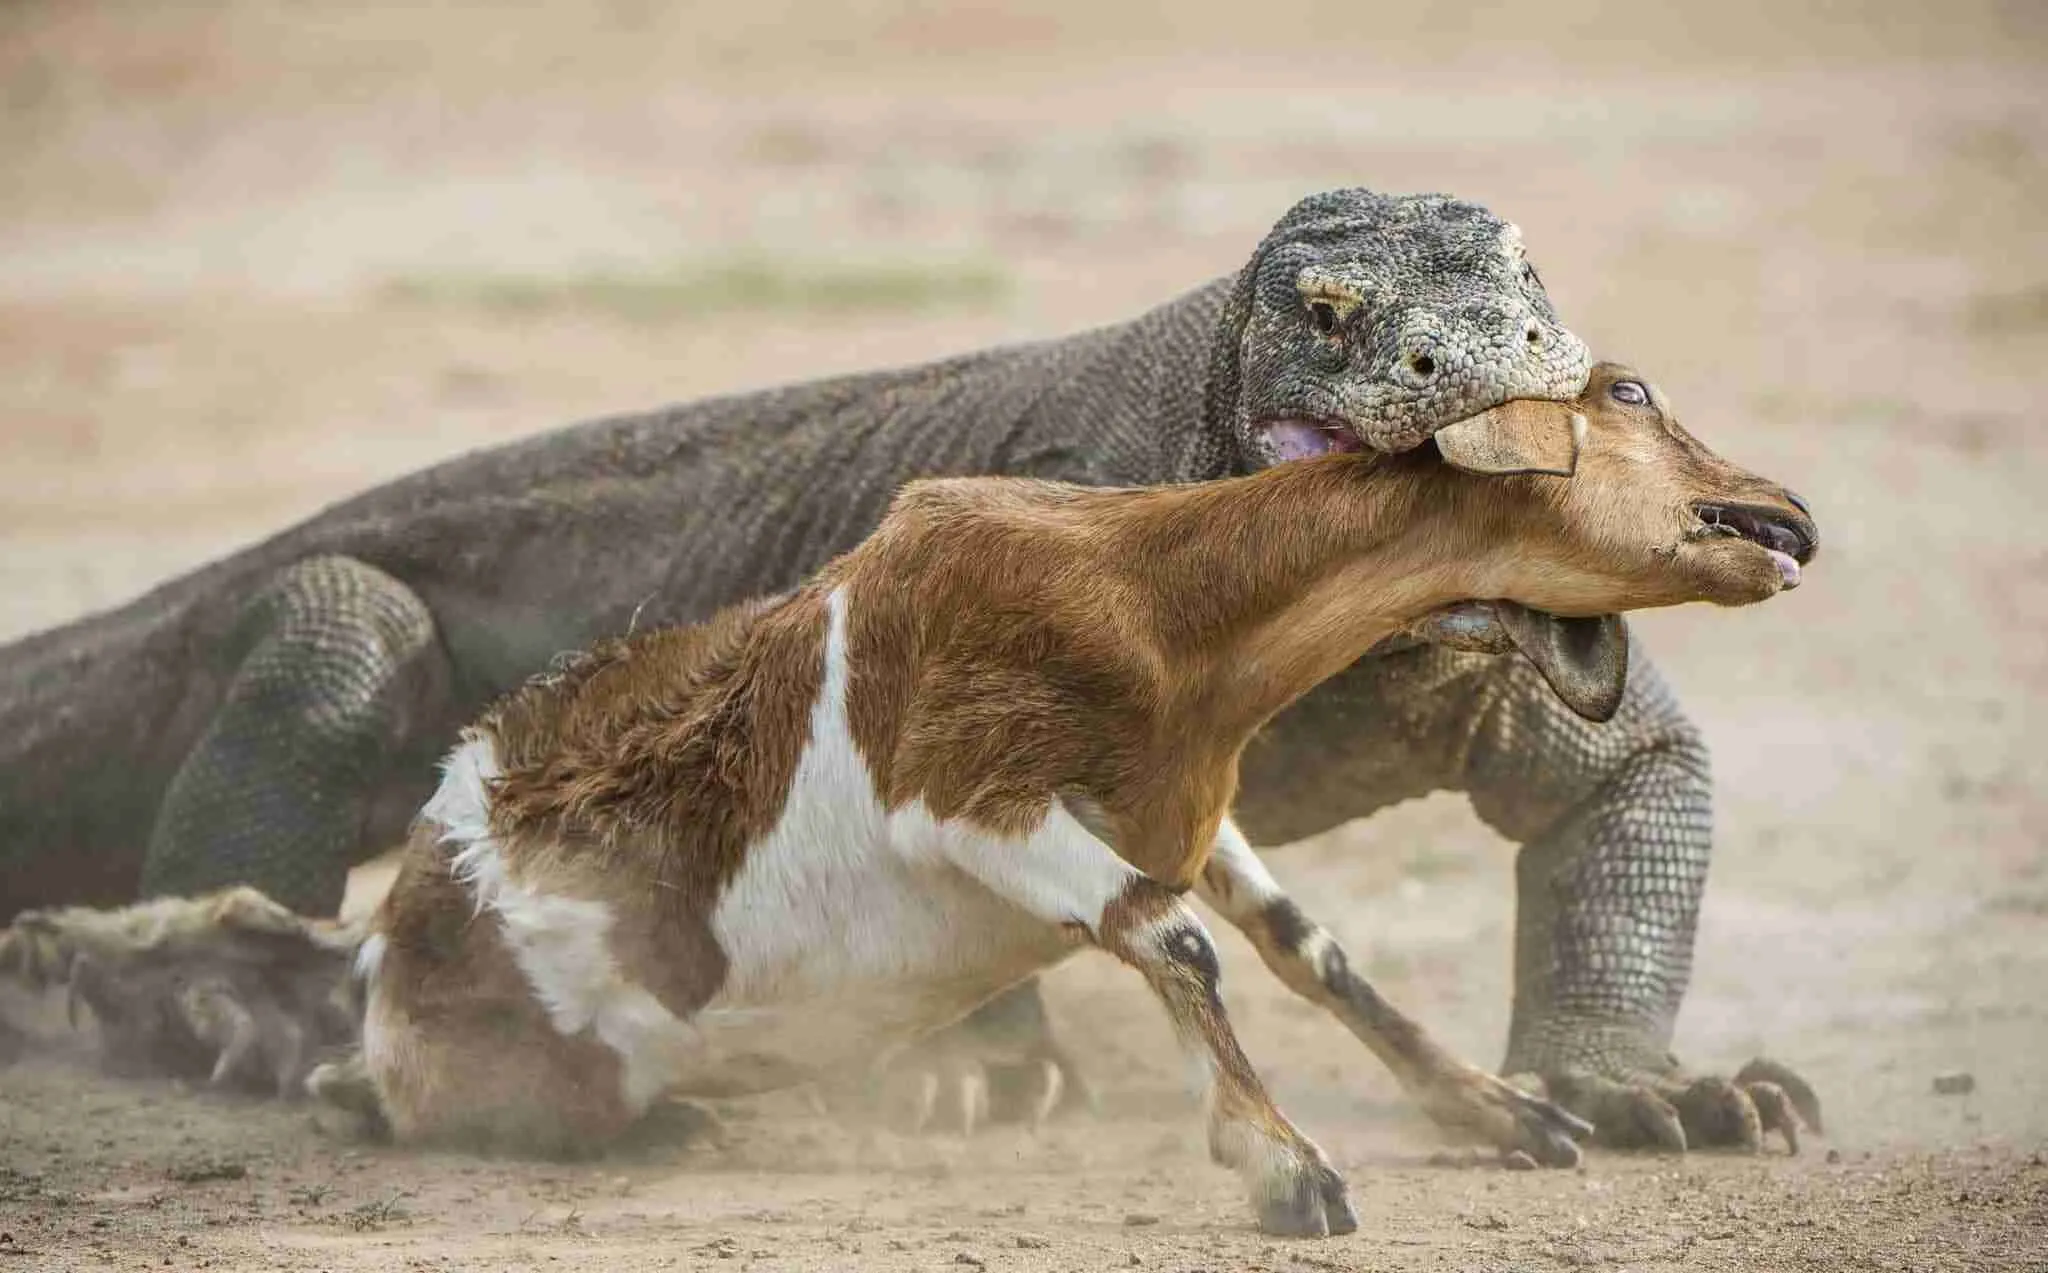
1462	1099
1063	871
1616	827
336	669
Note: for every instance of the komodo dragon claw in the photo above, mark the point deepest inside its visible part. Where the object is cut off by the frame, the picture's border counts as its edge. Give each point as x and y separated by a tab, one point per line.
947	1089
1673	1112
229	987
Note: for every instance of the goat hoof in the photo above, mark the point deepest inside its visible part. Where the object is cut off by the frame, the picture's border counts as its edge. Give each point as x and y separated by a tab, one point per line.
1313	1203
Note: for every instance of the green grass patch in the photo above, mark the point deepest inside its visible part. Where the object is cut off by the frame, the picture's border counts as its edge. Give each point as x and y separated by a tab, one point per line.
755	284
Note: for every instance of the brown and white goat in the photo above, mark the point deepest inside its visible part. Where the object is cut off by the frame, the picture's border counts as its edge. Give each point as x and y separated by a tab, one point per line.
753	852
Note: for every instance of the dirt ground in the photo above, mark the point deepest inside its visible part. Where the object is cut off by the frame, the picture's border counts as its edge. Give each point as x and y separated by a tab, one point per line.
254	258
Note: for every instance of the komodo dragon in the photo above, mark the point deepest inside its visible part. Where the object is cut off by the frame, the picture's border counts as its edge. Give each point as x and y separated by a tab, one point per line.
275	717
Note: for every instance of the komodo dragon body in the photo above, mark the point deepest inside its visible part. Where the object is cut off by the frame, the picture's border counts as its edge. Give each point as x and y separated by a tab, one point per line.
275	718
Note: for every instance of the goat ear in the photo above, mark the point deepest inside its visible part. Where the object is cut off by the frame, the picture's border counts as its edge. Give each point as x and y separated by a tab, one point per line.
1585	660
1523	436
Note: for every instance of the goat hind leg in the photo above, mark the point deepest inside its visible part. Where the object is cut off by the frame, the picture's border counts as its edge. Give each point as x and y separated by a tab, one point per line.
336	685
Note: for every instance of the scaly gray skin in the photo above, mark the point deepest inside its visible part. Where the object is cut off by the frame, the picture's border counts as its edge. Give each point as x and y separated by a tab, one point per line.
275	717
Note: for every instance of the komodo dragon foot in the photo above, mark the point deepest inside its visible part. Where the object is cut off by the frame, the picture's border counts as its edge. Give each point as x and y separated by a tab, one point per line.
230	987
1674	1111
1010	1068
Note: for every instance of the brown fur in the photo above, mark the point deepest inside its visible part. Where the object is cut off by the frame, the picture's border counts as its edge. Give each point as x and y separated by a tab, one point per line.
530	1089
648	769
637	775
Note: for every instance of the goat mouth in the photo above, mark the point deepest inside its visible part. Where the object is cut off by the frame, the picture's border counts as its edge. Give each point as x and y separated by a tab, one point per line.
1789	544
1305	438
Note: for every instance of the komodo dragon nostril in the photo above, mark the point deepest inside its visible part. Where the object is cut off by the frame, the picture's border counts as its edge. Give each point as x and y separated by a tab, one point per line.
1533	333
1422	365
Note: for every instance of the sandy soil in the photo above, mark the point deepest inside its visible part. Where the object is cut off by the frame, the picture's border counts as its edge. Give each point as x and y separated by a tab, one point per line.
253	259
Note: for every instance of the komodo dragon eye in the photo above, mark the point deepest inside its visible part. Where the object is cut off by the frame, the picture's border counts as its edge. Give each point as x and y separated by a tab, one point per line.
1629	392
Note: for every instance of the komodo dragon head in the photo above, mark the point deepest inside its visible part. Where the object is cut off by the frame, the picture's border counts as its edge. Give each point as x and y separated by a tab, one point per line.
1371	321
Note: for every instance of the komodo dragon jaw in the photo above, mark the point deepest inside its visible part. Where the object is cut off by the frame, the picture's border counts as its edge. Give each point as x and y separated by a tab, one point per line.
1372	321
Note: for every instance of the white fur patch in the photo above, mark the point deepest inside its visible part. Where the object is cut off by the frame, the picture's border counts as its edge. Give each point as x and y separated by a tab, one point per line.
461	805
1250	886
370	957
562	944
850	929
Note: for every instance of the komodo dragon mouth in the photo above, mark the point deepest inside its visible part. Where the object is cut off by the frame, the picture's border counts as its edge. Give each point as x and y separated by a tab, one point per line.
1302	438
1585	661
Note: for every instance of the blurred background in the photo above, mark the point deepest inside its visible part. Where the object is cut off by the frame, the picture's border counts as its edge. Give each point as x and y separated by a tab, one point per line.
256	257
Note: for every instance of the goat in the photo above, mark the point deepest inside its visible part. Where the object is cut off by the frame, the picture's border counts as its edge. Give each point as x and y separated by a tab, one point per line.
738	856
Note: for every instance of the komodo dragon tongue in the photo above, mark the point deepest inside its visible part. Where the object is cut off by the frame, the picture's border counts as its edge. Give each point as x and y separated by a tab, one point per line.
1585	660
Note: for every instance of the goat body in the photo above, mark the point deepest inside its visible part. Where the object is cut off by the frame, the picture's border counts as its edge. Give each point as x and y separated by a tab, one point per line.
755	852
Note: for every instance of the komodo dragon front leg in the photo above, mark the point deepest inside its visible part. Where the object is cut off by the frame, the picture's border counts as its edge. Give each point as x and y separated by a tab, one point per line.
1616	830
1615	824
332	677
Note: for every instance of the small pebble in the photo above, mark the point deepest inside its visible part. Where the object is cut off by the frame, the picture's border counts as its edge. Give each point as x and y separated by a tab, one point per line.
1032	1242
1955	1083
1834	1156
1137	1218
971	1259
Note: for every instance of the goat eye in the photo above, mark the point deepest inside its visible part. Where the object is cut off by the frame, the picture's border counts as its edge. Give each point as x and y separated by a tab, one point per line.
1629	392
1323	317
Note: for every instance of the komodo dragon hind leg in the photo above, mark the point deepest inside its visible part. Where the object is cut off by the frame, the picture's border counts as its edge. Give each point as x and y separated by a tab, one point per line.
1000	1064
335	668
337	681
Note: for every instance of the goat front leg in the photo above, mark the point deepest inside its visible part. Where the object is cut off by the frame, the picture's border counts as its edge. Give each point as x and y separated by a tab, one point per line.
1461	1098
1066	876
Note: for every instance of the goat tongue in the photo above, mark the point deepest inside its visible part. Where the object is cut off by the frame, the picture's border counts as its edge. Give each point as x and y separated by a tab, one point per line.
1585	660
